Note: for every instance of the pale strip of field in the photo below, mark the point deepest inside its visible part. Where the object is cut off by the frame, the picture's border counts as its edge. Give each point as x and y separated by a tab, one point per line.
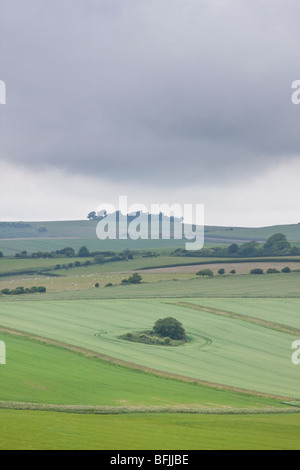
115	410
278	311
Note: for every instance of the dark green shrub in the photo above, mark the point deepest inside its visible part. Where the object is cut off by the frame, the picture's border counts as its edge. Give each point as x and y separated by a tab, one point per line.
257	271
42	289
5	292
169	327
205	272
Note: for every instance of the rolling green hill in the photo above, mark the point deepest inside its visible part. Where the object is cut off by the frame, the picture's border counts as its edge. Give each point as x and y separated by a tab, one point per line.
35	236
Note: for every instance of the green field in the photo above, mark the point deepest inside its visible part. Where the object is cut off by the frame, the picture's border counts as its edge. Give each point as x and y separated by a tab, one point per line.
232	386
222	350
41	373
81	287
281	311
143	432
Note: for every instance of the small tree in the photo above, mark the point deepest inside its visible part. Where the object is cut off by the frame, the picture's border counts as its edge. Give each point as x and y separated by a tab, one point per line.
99	259
169	328
257	271
135	278
286	270
221	271
233	271
5	292
83	252
92	216
42	289
205	272
233	249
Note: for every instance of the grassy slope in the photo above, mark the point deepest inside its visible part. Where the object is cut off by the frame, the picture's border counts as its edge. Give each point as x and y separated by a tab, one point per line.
241	354
78	233
42	373
87	229
142	432
258	233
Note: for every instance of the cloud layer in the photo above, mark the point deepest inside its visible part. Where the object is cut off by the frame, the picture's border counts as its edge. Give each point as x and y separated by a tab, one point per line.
160	92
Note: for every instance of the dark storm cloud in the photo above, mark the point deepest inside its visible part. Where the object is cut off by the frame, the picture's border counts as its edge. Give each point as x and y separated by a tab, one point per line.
161	91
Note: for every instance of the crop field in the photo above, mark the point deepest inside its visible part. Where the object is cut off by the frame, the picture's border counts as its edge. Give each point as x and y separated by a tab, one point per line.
280	311
222	350
65	354
41	373
147	431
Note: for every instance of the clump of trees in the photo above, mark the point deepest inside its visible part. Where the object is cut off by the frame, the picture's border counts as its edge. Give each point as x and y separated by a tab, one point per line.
23	290
169	328
166	332
133	279
205	272
257	271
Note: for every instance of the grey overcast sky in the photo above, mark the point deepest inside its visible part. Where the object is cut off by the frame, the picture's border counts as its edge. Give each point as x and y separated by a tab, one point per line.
166	101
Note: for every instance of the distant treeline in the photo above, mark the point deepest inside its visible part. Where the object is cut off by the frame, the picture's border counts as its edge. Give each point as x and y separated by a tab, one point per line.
83	252
98	256
23	290
276	245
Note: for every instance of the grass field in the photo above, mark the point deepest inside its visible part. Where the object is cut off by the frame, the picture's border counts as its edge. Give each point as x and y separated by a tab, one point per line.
284	311
143	432
81	287
233	386
222	350
42	373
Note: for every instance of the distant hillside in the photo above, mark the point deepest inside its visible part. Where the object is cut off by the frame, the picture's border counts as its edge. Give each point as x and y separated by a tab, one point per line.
45	236
87	229
261	234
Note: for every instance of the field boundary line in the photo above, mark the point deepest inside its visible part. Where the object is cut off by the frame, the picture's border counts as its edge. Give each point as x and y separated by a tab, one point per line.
141	368
239	316
109	410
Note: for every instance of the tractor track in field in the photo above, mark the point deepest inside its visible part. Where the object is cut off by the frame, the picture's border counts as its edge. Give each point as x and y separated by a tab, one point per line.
113	410
149	370
238	316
